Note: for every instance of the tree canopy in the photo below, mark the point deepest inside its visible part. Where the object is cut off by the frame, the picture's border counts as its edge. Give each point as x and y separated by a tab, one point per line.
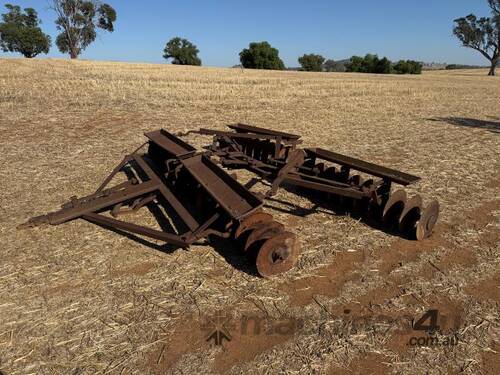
481	34
78	20
333	66
261	56
408	67
312	62
369	64
20	32
182	51
373	64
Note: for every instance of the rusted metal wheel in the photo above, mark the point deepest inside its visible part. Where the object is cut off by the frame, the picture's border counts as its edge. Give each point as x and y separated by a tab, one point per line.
410	216
427	220
262	231
249	221
393	209
277	254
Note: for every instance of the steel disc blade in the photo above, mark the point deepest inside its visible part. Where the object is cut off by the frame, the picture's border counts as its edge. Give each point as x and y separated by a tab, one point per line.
356	180
410	215
246	223
277	254
263	231
329	173
343	175
393	208
319	169
249	229
249	147
257	151
366	185
265	151
427	220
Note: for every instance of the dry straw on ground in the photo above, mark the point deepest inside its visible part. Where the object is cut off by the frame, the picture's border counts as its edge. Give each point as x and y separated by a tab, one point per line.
78	299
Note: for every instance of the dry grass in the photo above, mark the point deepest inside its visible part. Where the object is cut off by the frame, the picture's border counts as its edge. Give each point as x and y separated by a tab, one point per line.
77	299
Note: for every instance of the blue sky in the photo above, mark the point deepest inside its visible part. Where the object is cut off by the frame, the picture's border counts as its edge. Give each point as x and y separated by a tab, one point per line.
338	29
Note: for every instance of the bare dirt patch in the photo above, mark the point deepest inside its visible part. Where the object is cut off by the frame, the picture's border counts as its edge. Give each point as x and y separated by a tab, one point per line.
375	363
488	289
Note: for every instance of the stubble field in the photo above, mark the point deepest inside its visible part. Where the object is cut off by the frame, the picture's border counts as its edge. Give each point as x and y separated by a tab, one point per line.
80	299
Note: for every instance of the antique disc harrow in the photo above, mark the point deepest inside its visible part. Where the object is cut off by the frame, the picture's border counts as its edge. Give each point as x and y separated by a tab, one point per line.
193	198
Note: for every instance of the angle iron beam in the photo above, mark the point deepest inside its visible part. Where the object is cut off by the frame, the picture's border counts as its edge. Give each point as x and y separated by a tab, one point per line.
257	130
364	166
170	142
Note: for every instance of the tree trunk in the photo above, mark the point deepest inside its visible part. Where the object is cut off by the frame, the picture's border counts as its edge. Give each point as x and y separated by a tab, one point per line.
74	52
494	63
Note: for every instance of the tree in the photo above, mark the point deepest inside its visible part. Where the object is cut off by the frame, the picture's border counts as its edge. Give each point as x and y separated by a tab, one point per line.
355	65
408	67
312	62
333	66
369	64
182	51
382	66
402	67
261	56
482	35
20	32
78	20
329	65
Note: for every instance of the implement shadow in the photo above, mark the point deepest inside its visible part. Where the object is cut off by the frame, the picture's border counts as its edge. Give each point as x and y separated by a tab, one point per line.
492	126
234	255
323	204
165	248
154	208
227	248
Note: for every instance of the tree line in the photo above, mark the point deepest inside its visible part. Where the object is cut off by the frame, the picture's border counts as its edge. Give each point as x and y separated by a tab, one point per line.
261	55
79	21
